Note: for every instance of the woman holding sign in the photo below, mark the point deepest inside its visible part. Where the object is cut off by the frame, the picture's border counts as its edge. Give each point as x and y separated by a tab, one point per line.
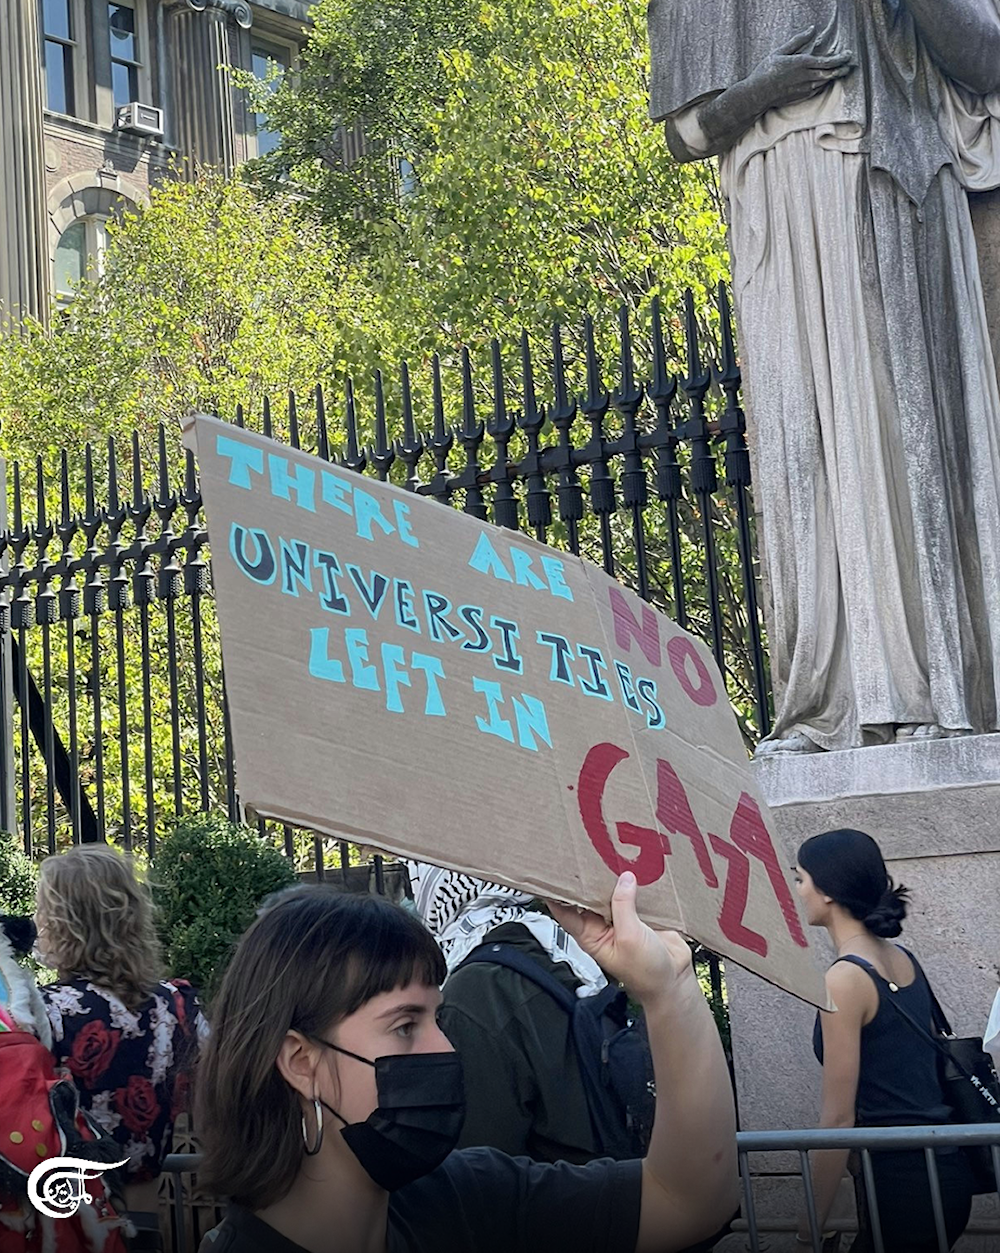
879	1070
330	1101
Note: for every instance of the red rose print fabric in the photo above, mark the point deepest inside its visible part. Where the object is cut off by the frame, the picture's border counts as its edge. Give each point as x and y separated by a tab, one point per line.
138	1104
93	1050
130	1066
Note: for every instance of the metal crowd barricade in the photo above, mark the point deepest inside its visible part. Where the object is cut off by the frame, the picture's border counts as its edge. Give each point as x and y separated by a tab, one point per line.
862	1140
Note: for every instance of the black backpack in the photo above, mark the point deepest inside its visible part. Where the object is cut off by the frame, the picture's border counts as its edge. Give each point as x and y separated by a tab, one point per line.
612	1050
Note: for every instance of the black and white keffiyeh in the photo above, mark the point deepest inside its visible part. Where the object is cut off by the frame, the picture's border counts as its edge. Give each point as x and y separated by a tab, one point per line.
460	911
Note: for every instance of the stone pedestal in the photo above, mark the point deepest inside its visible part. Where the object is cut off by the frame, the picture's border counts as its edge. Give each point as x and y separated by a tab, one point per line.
935	810
24	263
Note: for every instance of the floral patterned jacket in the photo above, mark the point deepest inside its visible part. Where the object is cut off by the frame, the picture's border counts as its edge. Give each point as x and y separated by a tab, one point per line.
131	1067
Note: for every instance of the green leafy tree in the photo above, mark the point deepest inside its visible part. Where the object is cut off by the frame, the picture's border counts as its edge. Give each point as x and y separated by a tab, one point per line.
17	878
208	299
540	191
539	188
382	64
210	876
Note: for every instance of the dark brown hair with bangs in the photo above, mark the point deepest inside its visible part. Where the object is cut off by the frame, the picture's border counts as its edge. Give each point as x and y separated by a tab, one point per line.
310	960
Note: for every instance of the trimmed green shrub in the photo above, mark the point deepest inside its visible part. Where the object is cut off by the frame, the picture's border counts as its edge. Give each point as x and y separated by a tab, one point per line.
209	877
18	876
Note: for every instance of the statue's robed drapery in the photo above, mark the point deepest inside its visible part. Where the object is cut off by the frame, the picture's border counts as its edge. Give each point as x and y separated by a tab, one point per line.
701	47
869	371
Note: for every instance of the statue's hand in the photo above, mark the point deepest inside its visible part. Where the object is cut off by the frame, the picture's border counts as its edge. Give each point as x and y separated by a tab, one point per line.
795	72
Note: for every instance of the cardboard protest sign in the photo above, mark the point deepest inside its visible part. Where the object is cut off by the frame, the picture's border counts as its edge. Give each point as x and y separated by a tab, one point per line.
404	675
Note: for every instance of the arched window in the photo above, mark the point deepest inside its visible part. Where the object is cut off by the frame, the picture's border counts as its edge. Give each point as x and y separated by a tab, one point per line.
80	248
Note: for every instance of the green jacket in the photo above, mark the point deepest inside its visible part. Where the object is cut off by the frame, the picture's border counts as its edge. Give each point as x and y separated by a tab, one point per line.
524	1094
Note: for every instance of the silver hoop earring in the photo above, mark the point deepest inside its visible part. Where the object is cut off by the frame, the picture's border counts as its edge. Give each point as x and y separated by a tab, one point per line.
318	1109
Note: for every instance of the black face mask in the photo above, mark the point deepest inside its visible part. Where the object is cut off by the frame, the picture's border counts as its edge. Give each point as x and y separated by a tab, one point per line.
421	1108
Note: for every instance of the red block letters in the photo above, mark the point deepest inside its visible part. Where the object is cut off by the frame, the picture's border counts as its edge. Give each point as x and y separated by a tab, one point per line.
748	835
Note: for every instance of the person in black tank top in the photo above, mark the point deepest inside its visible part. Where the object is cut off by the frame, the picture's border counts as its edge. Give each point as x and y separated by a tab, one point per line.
877	1072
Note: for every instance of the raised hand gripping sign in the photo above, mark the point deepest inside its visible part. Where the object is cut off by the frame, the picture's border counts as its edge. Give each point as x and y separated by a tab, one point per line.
404	675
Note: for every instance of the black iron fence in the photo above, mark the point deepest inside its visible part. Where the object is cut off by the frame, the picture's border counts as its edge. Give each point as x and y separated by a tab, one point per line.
112	696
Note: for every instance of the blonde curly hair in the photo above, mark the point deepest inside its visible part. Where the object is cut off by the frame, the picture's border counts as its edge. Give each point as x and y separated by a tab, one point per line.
95	921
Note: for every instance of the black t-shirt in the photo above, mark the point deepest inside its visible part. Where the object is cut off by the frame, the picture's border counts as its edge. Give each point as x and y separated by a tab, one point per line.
482	1201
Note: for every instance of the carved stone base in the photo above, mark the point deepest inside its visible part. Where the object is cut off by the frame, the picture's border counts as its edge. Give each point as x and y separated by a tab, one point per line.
927	798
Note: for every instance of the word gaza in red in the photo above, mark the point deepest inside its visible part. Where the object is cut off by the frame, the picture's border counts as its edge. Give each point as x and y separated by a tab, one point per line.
748	837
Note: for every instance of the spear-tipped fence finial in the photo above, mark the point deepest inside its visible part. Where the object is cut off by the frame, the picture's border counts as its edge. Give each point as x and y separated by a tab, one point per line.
293	420
500	427
354	459
411	447
322	438
471	438
380	454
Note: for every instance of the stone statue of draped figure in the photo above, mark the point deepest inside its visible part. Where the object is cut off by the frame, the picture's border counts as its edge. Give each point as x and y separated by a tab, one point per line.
849	132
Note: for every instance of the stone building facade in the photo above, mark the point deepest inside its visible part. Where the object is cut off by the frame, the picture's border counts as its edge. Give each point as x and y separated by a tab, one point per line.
101	99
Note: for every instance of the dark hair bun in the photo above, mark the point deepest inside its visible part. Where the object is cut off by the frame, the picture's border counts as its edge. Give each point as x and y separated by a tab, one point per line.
886	918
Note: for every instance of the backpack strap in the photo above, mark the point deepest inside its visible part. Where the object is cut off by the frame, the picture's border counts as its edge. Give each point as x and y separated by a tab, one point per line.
941	1024
511	957
862	962
612	1135
934	1041
939	1018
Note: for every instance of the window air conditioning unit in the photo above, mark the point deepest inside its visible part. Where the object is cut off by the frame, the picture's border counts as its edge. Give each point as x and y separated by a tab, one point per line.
142	119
